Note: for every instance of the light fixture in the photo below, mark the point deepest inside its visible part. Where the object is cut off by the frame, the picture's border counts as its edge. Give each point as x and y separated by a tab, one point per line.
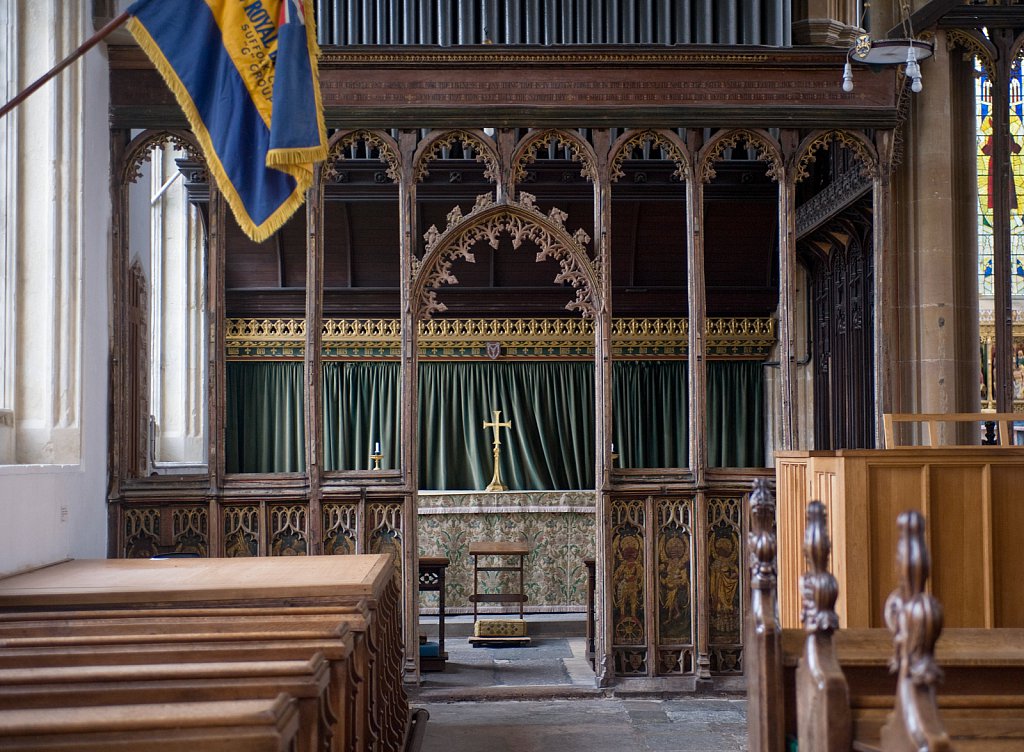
905	50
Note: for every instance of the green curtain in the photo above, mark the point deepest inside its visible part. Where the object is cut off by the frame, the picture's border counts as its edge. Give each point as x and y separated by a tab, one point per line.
265	421
362	406
551	405
735	414
650	415
549	446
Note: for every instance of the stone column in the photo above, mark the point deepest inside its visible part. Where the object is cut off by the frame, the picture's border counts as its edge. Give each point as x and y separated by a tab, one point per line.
828	22
934	213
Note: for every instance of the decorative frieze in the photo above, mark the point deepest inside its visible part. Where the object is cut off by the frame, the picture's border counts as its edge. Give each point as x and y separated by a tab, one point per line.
565	338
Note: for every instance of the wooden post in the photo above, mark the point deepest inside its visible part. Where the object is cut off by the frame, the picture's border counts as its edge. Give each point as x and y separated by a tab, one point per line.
408	440
763	640
915	619
603	406
787	289
822	695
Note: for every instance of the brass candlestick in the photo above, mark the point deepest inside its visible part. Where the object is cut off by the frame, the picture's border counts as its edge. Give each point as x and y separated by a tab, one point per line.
496	484
376	456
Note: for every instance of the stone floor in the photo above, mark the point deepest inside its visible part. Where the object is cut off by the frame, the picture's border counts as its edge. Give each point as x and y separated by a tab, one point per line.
605	724
543	698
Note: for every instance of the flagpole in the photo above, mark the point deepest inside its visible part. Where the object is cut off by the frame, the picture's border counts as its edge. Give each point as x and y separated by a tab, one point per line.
82	49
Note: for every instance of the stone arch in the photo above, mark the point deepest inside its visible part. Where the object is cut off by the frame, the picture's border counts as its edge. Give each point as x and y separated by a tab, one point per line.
489	220
855	141
661	137
767	147
486	152
526	152
387	149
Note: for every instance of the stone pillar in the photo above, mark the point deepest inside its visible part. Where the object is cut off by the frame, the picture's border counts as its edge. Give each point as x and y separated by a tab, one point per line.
827	22
935	219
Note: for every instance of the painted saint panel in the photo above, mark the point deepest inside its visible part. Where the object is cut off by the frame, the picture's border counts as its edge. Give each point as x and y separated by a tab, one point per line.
675	586
629	634
724	592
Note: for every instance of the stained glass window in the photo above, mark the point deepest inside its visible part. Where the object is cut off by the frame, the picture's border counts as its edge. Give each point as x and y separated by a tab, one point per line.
983	96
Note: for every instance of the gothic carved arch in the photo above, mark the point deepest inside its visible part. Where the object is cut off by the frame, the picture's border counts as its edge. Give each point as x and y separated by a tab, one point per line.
665	139
488	221
429	149
581	150
387	151
974	44
140	150
768	150
856	142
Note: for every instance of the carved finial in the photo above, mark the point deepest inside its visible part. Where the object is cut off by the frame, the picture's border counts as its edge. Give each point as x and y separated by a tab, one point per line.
818	587
915	619
763	573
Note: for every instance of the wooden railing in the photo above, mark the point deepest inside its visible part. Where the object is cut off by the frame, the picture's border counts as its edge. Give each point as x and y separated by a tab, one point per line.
931	422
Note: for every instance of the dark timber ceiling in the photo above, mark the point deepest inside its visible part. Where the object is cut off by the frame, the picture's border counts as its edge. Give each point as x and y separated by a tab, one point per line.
648	246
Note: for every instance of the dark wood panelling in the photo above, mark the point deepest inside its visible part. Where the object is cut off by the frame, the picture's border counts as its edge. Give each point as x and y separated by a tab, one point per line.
741	257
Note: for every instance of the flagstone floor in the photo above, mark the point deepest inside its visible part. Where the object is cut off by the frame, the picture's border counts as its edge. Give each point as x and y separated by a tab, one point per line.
542	698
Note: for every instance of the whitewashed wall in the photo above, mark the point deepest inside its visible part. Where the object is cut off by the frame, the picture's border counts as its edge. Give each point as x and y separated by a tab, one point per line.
55	235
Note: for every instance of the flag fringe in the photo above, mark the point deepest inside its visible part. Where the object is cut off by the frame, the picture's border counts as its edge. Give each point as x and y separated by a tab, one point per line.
256	232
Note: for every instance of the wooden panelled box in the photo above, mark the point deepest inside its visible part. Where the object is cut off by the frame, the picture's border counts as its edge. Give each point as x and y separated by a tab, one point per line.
971	497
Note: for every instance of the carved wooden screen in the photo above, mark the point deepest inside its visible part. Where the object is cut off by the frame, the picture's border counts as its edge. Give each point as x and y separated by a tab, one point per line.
843	311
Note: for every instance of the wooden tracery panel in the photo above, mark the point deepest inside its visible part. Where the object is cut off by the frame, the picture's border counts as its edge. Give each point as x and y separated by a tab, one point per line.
675	589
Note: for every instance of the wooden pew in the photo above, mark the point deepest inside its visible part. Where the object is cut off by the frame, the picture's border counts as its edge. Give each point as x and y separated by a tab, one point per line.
239	726
347	701
836	686
141	633
84	686
257	587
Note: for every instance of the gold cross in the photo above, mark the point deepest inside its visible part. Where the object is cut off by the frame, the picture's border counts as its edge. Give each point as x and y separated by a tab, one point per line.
496	425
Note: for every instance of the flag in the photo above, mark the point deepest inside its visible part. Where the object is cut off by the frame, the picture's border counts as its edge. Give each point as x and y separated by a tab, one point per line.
245	74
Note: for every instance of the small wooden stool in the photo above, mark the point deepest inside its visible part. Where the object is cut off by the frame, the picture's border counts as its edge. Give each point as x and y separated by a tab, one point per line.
432	579
506	549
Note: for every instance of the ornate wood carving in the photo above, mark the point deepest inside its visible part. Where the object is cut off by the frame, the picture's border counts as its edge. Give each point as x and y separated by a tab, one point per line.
766	152
141	149
340	528
845	139
628	593
483	150
838	195
387	152
546	337
640	140
190	530
842	284
288	531
136	396
724	609
763	636
241	531
526	153
385	534
487	221
823	697
141	532
914	617
972	46
675	587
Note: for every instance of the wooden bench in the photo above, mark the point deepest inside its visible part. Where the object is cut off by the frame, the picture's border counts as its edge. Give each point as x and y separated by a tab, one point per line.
169	592
140	630
306	681
126	643
834	690
239	726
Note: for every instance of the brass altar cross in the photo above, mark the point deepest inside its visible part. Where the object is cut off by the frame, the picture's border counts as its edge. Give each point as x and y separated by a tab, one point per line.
495	484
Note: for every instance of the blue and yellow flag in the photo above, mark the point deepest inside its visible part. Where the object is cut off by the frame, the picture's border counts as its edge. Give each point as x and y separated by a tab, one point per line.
244	72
